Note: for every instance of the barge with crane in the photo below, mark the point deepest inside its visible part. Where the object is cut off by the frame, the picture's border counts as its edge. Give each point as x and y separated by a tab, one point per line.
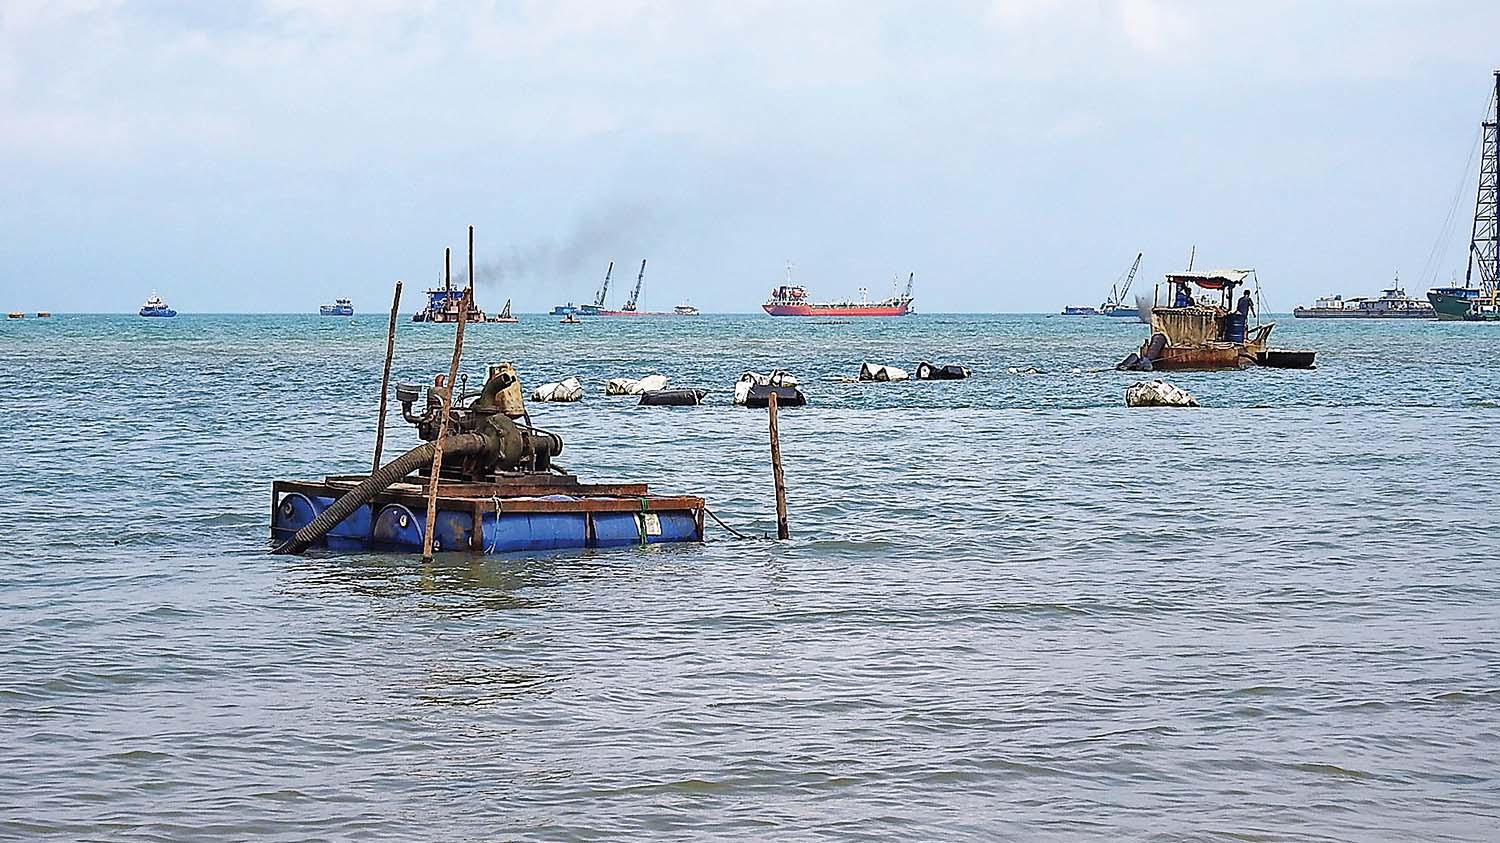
1480	302
1114	304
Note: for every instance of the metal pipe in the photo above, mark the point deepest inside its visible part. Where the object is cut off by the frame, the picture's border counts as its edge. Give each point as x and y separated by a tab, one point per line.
468	443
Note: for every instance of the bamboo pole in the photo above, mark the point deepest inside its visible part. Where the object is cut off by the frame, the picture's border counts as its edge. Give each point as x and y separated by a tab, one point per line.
782	530
385	376
437	452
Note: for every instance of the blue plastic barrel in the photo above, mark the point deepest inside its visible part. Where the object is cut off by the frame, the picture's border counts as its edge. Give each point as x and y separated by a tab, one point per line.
1234	327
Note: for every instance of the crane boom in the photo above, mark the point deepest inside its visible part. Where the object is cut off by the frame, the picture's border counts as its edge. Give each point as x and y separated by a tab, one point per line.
603	291
1130	277
909	279
636	293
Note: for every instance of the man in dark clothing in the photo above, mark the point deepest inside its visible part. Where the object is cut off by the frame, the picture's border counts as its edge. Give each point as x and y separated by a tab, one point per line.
1246	305
1184	295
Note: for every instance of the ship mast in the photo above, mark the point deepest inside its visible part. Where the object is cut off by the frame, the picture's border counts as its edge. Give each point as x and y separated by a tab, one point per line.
1484	245
636	293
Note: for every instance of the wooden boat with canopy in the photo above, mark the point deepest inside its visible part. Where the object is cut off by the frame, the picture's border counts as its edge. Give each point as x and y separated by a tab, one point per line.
1199	328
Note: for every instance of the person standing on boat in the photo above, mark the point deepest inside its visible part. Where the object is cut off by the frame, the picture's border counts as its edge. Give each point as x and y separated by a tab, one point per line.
1246	306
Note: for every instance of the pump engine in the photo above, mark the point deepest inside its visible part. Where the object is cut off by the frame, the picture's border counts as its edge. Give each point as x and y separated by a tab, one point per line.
511	447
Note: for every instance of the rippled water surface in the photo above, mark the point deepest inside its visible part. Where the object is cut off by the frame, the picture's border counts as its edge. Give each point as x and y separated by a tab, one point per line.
1011	608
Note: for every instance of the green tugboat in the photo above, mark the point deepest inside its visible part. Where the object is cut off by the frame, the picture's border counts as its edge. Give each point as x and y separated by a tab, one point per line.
1480	302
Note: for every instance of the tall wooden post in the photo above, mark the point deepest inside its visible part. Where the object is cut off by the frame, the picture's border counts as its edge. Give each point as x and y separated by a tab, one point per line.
385	376
782	530
437	452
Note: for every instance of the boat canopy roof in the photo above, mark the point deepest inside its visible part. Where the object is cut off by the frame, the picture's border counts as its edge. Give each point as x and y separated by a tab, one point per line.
1213	279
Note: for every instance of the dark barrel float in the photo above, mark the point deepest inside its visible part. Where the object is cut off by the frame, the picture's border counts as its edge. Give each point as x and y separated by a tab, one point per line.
673	397
759	396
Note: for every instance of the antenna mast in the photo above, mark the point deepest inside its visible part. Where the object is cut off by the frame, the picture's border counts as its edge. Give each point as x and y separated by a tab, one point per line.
636	293
599	299
1484	246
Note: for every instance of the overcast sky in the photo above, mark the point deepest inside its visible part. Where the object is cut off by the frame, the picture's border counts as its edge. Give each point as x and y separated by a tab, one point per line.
1015	154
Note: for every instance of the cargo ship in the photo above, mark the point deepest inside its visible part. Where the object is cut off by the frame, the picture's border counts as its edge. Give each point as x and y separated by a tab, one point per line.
1392	303
790	299
1480	301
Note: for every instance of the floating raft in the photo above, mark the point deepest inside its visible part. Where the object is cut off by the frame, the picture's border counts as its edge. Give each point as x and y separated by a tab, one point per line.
547	512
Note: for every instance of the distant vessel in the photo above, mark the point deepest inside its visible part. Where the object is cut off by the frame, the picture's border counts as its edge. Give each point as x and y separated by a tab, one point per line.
505	318
629	308
1480	302
154	306
340	307
1115	304
443	305
1192	334
1392	303
685	310
571	319
594	308
791	299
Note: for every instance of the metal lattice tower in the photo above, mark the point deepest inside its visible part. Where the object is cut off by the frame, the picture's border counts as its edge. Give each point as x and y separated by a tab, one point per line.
1484	247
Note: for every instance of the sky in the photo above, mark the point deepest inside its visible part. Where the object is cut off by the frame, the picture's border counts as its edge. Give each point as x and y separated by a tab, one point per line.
270	155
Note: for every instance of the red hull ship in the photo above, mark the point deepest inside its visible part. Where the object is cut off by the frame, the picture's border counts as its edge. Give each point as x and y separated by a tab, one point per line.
791	300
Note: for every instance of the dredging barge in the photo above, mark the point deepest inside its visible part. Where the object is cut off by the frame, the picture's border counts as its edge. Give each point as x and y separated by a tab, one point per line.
1188	334
498	490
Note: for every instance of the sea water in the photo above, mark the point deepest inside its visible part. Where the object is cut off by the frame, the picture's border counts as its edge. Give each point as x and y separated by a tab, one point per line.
1010	608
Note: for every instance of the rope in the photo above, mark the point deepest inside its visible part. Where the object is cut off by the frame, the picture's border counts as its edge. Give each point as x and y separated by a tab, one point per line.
496	543
737	533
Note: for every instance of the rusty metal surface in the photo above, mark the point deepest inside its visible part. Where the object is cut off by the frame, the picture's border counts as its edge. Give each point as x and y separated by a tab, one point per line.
516	488
413	497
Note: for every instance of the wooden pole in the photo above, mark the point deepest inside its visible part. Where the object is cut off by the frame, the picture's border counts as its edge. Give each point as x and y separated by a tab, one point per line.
437	453
782	531
385	377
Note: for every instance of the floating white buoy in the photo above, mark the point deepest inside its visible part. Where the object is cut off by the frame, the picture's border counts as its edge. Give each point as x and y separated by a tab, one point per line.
881	372
1157	393
568	389
747	380
631	386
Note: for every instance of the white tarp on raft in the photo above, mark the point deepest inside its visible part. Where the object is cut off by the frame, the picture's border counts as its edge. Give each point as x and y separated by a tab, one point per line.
749	379
630	386
881	372
568	389
1157	393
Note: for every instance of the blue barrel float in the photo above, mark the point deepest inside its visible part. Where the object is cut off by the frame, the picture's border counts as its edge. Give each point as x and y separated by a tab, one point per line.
500	517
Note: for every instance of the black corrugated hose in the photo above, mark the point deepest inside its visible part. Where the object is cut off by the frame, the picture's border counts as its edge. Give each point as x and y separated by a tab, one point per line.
459	445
